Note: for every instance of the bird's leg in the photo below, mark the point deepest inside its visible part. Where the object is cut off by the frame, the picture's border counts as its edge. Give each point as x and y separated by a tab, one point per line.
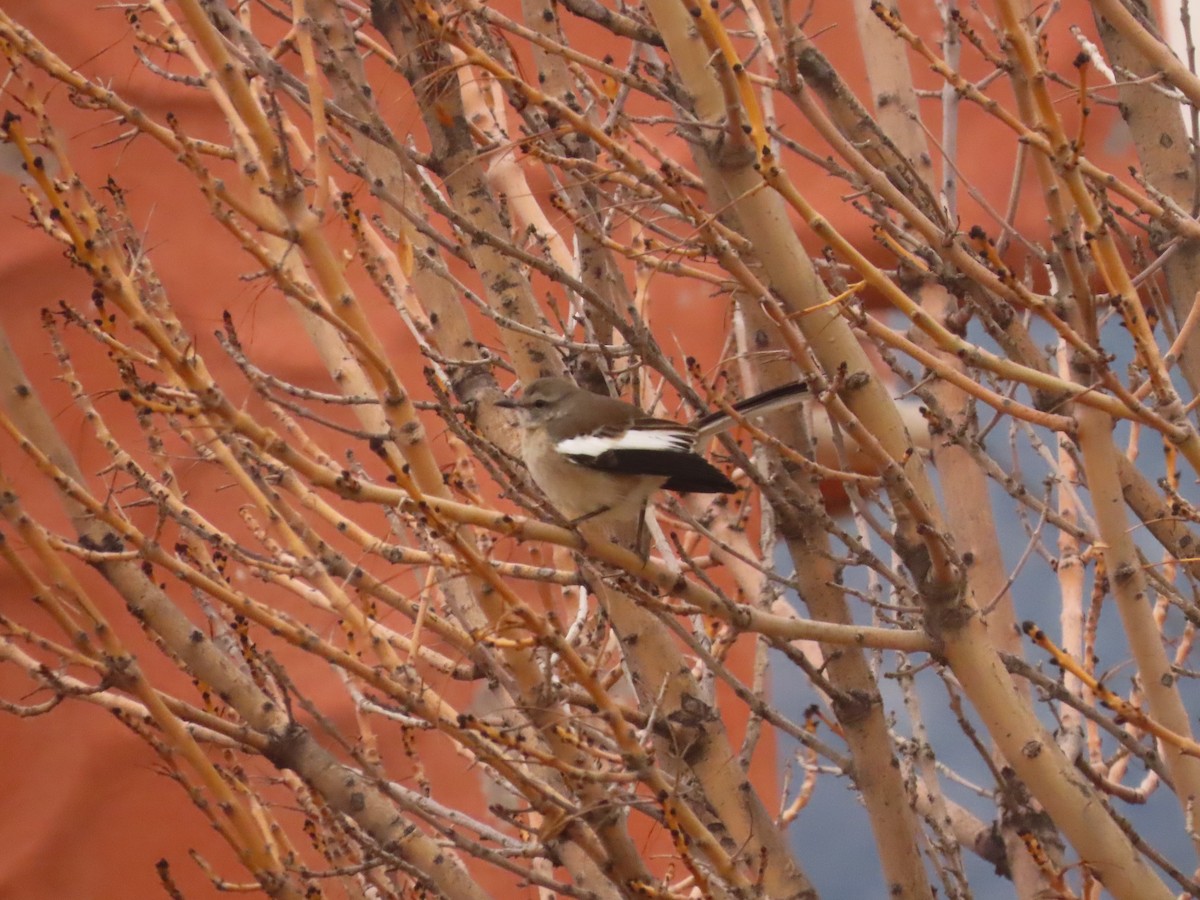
632	534
641	541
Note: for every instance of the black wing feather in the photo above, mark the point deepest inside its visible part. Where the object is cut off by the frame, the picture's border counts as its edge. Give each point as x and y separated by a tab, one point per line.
684	471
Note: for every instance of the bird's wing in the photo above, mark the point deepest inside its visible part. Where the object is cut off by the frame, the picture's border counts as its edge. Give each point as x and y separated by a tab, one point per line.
650	447
637	434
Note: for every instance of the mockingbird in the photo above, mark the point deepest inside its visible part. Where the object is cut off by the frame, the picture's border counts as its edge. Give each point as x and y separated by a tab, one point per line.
599	458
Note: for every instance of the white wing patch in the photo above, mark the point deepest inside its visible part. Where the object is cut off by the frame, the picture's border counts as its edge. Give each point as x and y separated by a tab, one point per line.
594	445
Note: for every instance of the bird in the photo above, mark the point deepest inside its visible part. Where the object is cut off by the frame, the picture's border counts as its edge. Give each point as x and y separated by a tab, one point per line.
599	458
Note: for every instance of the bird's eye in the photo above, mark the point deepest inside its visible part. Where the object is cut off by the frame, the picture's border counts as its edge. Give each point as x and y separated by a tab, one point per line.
540	404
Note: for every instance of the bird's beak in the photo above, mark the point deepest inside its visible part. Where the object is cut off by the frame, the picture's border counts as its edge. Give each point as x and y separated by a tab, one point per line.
508	403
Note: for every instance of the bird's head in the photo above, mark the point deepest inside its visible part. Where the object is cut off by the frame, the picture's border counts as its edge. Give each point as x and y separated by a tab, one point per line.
544	400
